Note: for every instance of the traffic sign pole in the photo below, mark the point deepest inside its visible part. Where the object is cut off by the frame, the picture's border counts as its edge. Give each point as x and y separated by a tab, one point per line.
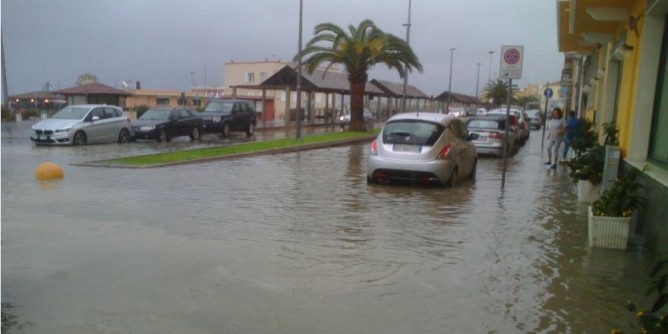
548	94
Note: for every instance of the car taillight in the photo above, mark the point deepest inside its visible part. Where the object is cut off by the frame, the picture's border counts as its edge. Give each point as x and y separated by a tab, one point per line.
444	151
496	135
374	147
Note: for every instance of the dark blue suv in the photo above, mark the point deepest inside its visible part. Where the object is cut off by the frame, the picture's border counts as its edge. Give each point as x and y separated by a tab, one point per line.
224	116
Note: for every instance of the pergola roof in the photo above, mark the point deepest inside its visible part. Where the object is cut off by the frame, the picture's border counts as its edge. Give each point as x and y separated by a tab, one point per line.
460	98
318	81
36	95
397	89
94	88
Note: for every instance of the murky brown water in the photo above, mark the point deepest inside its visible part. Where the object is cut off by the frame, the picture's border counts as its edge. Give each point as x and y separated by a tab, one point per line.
299	243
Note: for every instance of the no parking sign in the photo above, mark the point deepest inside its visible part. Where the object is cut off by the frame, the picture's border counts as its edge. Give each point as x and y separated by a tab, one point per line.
511	61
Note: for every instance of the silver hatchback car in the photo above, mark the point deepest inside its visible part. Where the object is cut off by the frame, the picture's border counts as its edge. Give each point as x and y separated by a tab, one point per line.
83	124
422	148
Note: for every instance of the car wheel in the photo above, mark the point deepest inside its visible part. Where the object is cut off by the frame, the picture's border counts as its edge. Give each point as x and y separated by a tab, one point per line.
163	136
251	129
124	136
226	130
195	135
79	139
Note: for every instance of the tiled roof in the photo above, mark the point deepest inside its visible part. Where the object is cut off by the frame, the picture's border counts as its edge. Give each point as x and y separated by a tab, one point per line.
94	88
36	95
460	98
397	89
331	81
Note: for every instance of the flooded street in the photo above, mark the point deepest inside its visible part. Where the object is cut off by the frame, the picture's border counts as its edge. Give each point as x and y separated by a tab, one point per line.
299	243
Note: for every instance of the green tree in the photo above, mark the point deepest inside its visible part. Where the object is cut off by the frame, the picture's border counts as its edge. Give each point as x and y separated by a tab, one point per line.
497	91
358	50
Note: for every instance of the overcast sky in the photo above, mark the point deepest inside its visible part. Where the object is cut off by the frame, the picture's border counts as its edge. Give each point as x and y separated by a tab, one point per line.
160	42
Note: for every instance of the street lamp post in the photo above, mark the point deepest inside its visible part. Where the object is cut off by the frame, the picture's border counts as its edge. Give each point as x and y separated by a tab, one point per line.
408	41
299	78
490	67
477	82
452	50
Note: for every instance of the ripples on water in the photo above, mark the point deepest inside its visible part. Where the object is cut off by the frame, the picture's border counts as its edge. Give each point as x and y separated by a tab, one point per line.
304	234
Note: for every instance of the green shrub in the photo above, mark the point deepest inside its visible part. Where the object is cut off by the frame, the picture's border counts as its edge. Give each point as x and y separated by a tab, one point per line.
6	114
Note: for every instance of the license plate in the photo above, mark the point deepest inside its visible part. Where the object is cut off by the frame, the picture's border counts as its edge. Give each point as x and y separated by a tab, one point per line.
406	148
481	138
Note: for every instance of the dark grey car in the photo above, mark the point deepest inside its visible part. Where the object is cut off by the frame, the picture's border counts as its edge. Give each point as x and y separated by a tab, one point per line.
225	116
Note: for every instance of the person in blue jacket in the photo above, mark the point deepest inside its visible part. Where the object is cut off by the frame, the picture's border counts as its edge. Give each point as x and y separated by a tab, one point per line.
571	128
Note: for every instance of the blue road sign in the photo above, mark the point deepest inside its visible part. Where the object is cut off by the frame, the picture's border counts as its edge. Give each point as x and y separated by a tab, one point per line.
548	93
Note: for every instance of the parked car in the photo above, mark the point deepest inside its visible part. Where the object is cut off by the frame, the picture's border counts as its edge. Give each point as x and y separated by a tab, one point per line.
344	120
164	123
423	148
458	112
491	132
83	124
535	119
225	116
522	118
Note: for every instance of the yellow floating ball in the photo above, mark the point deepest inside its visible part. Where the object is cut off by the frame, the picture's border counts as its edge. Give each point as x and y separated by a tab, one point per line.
48	171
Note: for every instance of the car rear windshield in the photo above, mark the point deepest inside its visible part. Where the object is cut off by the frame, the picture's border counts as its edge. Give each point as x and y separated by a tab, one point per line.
219	107
414	132
486	124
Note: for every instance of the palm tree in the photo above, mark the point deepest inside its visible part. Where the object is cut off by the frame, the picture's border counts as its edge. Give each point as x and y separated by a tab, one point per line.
497	91
359	51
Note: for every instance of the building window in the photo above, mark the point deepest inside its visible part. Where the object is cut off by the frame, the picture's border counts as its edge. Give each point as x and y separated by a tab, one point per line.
263	76
250	77
162	101
658	141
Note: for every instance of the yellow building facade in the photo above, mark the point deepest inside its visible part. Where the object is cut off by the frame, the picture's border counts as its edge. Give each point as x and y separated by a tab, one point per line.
616	54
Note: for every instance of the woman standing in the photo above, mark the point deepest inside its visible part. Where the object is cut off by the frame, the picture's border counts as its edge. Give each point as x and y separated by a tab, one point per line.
557	128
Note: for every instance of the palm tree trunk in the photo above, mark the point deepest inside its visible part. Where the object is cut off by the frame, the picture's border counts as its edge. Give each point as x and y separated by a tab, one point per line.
357	90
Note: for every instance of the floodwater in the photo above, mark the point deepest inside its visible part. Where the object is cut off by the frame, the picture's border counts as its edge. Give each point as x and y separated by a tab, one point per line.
299	243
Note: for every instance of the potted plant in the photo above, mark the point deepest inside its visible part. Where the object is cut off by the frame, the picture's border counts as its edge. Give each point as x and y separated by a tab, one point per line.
610	215
587	172
589	160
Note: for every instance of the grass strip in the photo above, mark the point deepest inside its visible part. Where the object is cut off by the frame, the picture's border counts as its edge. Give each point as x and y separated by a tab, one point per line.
242	148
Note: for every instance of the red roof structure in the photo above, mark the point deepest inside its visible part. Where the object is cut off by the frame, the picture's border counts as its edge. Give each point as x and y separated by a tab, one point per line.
94	88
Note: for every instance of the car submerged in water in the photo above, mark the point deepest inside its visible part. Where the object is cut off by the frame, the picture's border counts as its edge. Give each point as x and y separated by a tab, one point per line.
422	148
83	124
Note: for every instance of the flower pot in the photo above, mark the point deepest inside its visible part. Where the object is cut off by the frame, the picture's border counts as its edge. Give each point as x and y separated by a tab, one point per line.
608	232
587	191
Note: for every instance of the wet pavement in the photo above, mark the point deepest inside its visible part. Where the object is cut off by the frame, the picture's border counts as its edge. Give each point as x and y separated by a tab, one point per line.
299	243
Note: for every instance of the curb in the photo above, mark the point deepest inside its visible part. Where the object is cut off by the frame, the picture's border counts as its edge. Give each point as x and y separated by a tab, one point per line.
343	142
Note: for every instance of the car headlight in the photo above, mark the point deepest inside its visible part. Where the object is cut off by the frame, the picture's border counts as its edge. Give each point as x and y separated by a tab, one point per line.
63	130
342	118
146	127
216	119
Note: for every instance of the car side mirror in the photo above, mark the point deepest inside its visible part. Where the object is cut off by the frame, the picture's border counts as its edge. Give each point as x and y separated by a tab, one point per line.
473	136
95	118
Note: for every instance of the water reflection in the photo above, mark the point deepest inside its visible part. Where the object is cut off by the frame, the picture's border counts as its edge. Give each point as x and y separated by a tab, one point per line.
300	243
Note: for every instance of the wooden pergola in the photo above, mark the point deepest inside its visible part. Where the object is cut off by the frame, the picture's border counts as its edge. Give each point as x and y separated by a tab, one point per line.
329	82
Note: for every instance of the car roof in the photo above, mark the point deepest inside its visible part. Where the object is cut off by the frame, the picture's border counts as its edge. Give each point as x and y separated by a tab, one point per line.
425	116
92	105
229	100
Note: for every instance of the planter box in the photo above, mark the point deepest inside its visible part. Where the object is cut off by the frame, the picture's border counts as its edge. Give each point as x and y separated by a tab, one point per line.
587	191
608	232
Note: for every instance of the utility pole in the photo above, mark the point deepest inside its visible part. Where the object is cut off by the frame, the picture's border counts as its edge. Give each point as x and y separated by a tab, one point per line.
5	96
490	67
299	77
477	82
408	41
452	50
